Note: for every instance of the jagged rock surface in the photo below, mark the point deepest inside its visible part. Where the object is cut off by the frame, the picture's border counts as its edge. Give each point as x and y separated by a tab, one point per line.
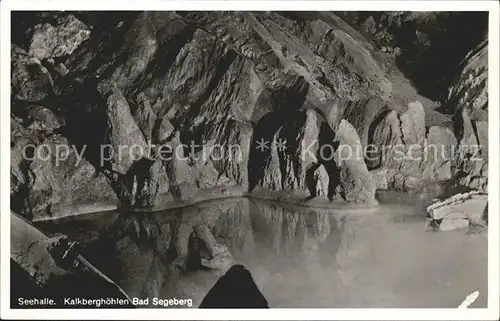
171	88
460	210
468	100
65	186
357	183
31	81
58	39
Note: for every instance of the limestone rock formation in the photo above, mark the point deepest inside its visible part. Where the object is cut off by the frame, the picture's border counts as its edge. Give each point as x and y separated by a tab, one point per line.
124	141
358	185
43	119
453	221
31	81
440	148
61	39
398	143
470	89
181	106
468	100
380	177
459	210
64	183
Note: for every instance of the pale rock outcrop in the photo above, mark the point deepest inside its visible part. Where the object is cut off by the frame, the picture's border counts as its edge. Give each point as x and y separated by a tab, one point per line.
179	172
454	221
322	182
145	117
439	153
468	99
43	119
413	124
385	140
411	154
31	81
362	114
141	186
380	177
272	177
358	185
140	49
124	139
310	141
398	144
54	41
164	131
207	176
454	210
471	163
64	184
342	49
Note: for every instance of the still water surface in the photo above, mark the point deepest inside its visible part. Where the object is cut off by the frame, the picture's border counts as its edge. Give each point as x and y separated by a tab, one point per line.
299	257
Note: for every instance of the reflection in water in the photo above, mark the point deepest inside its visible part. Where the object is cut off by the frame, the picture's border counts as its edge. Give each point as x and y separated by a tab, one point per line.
299	257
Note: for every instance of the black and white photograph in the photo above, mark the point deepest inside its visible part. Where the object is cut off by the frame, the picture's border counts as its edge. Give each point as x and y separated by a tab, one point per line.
250	159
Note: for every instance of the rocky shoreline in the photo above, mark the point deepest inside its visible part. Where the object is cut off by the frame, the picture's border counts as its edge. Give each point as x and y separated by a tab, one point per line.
216	195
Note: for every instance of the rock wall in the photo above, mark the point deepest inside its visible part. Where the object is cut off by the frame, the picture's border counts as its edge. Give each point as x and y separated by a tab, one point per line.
468	101
167	107
426	45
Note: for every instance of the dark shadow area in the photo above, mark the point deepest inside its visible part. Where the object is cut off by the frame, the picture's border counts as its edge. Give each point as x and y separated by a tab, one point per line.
432	44
287	123
235	289
325	157
80	115
310	181
288	116
432	68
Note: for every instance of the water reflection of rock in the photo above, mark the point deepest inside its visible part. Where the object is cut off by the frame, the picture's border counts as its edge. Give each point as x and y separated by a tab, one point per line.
233	225
137	251
288	229
142	251
341	259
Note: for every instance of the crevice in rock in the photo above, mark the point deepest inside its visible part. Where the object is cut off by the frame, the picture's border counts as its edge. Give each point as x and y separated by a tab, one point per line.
79	115
327	137
371	135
